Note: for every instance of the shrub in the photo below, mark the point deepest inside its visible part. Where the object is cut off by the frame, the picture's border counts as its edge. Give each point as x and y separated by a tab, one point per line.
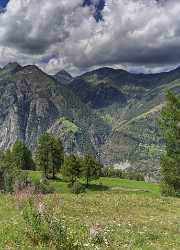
77	188
111	172
13	180
133	175
43	187
167	190
6	181
21	181
43	227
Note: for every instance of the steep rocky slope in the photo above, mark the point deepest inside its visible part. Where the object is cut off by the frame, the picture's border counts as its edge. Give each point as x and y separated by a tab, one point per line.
32	102
130	105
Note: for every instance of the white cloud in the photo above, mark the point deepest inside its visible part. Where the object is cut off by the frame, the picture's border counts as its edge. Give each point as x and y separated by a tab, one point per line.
135	34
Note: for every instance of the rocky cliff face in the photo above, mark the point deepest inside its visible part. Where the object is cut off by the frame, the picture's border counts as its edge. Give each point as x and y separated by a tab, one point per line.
32	102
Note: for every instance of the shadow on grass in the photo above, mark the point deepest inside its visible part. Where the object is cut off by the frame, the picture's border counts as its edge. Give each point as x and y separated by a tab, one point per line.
97	187
58	179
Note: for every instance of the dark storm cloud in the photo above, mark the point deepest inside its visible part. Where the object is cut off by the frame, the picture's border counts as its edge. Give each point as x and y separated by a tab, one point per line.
125	33
33	27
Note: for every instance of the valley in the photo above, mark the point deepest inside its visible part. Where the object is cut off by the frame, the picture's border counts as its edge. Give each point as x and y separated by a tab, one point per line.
110	113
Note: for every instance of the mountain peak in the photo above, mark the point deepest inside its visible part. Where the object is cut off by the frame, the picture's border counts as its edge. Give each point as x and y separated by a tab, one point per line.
31	67
12	67
63	73
63	77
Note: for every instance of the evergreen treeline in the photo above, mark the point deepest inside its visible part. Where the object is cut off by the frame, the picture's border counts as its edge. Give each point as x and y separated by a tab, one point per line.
48	157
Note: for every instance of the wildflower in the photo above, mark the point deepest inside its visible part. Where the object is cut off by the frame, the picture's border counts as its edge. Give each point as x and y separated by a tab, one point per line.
41	208
95	229
86	244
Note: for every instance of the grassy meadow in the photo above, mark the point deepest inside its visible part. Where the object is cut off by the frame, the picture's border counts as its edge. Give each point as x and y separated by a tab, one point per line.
126	214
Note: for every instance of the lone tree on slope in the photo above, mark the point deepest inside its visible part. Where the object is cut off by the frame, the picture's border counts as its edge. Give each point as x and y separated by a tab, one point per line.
170	129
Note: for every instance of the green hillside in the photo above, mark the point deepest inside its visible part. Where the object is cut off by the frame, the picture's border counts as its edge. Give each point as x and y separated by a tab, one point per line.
128	215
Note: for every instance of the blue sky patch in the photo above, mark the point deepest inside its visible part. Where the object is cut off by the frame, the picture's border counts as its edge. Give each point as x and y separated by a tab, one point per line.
99	7
3	3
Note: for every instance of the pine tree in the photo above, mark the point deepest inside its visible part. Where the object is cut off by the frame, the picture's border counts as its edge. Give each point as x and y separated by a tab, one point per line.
21	156
71	168
170	129
49	154
91	169
9	171
57	155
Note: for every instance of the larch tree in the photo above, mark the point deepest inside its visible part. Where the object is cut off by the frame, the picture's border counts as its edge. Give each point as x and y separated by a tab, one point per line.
170	161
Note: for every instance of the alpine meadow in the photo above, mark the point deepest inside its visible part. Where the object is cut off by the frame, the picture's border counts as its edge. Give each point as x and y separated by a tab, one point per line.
89	125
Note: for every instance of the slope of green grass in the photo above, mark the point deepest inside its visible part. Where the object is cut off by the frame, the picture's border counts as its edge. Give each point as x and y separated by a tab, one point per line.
129	215
103	184
126	220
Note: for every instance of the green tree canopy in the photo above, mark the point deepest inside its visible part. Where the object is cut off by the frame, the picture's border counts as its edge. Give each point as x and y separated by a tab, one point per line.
57	155
10	170
170	129
90	169
49	154
21	156
72	167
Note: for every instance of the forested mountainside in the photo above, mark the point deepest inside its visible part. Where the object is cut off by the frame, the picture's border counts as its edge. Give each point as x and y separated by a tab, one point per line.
110	113
129	104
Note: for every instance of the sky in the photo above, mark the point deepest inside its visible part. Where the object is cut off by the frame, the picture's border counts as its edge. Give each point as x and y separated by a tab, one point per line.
81	35
3	3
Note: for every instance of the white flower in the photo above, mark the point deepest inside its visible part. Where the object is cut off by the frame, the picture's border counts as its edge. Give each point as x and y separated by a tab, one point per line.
41	208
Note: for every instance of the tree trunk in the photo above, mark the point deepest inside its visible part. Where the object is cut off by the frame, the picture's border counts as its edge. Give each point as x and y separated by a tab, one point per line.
72	181
87	182
46	171
53	173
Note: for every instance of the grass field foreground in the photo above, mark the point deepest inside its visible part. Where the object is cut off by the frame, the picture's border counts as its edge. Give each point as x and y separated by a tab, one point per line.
121	217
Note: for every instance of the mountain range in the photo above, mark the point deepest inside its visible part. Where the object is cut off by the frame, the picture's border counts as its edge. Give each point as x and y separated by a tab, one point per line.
110	113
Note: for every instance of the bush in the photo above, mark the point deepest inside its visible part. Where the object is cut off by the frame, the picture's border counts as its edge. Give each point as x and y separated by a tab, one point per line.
130	174
6	181
43	187
111	172
77	188
13	180
167	190
43	227
133	175
21	181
